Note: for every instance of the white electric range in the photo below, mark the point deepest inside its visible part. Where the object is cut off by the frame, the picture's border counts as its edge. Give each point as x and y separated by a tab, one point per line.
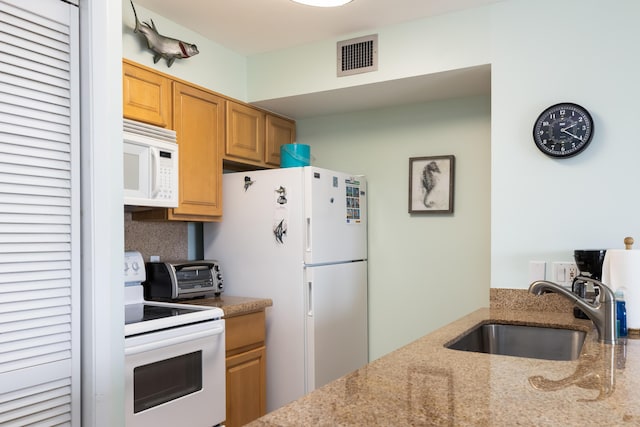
174	358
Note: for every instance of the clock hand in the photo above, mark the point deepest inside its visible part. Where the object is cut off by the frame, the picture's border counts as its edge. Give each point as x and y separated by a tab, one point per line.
568	127
571	134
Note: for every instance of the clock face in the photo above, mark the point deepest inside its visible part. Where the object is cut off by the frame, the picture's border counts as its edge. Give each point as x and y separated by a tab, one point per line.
563	130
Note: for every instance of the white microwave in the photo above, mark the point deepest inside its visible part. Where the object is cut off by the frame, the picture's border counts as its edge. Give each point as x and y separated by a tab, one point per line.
150	170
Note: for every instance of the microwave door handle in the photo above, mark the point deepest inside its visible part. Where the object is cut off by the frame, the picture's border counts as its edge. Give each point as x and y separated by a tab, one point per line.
155	170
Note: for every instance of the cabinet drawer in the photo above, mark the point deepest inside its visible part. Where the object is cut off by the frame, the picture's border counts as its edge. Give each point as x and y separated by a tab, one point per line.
244	332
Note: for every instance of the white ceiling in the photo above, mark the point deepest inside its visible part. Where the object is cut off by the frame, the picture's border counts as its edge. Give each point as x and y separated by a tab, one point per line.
256	26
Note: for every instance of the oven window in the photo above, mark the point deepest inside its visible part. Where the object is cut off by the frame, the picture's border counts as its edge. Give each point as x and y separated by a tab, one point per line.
166	380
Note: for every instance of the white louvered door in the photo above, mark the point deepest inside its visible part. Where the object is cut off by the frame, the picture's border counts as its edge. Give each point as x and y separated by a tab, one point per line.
39	214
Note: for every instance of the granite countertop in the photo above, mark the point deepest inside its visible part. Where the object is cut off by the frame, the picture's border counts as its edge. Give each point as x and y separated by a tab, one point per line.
424	383
233	305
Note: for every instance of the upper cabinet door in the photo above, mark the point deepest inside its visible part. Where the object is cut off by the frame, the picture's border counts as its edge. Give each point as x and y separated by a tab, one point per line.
199	124
245	132
279	131
146	96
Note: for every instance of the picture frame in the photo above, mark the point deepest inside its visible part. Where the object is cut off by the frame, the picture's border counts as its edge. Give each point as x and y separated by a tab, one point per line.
431	184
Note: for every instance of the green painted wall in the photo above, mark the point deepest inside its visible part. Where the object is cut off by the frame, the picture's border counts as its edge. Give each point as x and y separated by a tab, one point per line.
424	270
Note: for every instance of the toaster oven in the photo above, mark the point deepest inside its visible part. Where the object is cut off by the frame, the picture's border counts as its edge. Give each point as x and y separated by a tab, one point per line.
171	281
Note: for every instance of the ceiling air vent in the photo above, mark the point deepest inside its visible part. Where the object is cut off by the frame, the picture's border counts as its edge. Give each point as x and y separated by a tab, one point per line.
358	55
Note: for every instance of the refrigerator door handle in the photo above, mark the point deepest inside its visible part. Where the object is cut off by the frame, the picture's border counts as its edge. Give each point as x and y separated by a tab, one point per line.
308	235
309	299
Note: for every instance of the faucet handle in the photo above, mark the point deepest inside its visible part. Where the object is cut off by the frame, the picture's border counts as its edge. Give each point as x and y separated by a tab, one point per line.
628	242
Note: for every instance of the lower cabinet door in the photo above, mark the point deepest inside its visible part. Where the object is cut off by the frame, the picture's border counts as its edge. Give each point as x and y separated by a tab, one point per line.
246	387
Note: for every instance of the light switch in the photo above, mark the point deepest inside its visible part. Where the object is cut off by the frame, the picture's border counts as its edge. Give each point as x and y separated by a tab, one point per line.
563	272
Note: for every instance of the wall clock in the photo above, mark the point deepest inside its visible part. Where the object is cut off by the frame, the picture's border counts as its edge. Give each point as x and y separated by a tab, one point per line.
563	130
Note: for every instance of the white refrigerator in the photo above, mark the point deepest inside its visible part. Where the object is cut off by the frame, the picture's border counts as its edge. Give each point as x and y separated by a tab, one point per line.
298	236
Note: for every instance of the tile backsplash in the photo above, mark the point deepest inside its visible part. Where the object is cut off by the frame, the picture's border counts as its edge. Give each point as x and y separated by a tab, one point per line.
169	240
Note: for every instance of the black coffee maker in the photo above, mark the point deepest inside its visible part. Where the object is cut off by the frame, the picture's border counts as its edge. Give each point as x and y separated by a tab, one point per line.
589	263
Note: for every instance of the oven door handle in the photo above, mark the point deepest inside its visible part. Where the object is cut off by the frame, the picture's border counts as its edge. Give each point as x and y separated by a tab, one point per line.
136	349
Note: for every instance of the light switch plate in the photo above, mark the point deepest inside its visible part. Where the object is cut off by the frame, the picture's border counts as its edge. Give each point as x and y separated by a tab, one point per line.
537	270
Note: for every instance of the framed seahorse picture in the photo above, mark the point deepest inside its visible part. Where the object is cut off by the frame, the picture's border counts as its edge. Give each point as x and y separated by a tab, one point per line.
431	182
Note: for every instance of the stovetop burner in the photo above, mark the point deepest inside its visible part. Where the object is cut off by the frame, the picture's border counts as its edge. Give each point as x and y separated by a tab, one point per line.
145	312
149	316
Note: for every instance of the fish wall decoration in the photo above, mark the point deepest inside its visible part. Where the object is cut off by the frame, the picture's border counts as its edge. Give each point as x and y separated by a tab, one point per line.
163	47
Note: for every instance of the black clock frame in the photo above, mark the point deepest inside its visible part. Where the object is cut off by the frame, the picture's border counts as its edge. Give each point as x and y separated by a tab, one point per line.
578	145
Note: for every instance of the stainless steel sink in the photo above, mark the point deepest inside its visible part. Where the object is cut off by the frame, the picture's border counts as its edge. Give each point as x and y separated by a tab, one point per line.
523	341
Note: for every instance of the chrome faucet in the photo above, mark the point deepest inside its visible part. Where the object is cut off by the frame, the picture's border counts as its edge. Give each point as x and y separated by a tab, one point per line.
602	313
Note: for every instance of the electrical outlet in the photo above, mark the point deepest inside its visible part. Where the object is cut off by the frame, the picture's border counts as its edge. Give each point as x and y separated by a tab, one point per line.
563	272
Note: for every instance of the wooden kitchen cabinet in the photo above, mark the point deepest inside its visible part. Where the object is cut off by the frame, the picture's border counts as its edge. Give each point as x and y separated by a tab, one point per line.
198	119
279	131
246	368
146	95
197	116
210	128
245	383
245	133
254	137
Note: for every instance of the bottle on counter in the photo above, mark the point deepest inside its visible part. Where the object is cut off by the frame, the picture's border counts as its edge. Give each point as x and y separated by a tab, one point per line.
621	314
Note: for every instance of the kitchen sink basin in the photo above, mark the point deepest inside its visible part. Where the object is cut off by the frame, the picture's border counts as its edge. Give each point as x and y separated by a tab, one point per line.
523	341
